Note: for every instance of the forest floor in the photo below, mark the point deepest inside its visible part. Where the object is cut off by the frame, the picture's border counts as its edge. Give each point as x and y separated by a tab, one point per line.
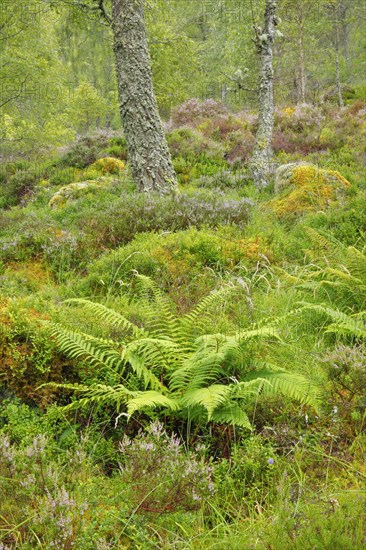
284	472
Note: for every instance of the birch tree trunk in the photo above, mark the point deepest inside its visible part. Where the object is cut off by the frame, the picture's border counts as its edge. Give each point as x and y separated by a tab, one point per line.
302	57
148	151
262	152
338	73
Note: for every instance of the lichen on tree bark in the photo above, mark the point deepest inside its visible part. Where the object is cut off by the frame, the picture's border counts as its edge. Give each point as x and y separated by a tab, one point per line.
262	152
149	155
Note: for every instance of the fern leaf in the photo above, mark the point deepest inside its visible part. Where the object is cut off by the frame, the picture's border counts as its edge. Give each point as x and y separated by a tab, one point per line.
195	322
159	309
108	316
291	384
157	352
78	345
356	262
324	246
97	395
150	400
137	364
231	413
351	325
209	398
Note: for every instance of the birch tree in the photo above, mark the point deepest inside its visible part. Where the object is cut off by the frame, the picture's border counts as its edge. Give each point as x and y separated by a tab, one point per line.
262	152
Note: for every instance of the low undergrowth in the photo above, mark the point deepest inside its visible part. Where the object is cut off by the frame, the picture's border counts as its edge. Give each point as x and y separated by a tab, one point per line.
159	467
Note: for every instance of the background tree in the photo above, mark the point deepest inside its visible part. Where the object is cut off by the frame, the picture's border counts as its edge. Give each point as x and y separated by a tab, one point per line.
262	152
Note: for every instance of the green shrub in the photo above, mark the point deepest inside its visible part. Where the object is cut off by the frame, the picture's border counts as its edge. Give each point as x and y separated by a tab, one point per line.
18	187
27	357
249	476
85	151
63	176
346	371
133	213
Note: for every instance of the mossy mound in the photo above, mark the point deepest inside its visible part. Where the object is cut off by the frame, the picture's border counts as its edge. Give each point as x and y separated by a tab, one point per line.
305	187
33	274
74	191
108	165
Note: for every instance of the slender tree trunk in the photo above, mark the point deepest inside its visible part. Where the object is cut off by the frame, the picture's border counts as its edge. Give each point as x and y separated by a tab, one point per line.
302	60
148	151
262	152
343	12
338	76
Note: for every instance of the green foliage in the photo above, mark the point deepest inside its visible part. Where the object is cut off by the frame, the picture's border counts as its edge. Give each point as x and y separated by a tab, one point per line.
209	371
28	357
17	188
87	108
161	475
180	367
85	150
346	371
347	223
249	474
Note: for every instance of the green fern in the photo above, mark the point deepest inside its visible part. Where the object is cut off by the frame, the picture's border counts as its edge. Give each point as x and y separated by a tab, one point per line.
343	324
338	280
178	371
108	316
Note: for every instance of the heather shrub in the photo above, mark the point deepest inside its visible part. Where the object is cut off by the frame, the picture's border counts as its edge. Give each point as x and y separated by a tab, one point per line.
41	510
24	232
18	187
194	111
300	117
346	371
85	151
190	144
224	179
64	176
239	146
297	129
161	475
289	142
63	250
27	354
117	148
136	213
219	127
